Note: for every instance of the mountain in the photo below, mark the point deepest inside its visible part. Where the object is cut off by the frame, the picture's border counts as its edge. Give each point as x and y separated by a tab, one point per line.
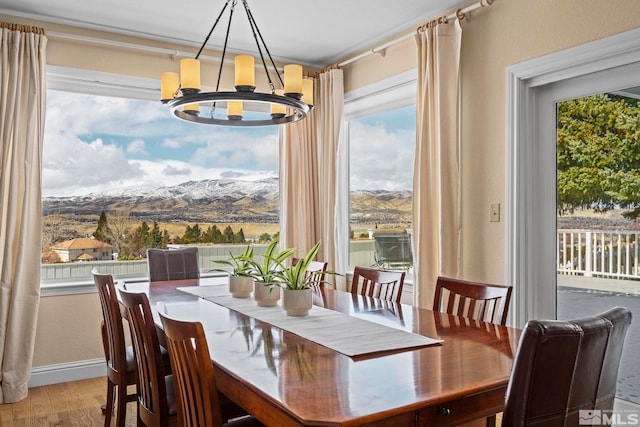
220	200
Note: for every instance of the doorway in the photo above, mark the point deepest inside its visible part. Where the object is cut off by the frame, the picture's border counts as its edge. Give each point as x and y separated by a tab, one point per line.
533	90
598	227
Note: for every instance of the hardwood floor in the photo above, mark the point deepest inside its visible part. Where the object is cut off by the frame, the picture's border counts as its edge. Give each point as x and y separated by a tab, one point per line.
69	404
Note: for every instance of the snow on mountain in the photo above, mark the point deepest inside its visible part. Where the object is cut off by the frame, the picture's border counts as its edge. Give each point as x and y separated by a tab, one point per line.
190	190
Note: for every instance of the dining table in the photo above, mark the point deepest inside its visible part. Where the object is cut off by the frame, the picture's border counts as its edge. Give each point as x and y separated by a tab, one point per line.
285	379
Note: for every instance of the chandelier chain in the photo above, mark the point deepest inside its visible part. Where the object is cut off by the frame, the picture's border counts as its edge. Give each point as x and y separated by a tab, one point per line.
226	40
206	40
256	29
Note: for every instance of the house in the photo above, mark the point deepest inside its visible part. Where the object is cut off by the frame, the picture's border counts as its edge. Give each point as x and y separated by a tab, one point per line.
83	249
496	75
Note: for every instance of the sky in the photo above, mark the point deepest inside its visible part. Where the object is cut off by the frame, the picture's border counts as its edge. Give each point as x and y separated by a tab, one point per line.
95	144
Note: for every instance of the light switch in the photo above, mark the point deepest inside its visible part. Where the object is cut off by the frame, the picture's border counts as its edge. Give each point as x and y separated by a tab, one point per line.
494	212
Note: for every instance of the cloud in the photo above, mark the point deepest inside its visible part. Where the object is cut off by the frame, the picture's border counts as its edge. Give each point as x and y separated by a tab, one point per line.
380	159
73	166
172	143
173	171
137	146
92	143
241	150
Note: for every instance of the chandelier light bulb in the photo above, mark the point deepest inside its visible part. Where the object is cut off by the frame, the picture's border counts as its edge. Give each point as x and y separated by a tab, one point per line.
245	73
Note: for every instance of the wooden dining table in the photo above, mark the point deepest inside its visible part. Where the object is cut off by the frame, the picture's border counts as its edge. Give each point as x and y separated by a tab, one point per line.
286	380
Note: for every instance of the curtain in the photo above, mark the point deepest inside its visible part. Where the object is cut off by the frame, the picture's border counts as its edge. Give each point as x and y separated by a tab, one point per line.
437	230
22	115
311	176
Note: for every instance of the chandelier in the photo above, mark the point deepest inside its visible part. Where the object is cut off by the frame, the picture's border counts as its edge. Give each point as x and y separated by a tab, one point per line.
289	99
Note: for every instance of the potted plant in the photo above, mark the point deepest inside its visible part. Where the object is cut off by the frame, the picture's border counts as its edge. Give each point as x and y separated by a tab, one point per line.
266	291
240	277
296	283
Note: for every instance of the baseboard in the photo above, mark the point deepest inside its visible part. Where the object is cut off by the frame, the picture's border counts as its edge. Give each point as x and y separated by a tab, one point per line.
63	372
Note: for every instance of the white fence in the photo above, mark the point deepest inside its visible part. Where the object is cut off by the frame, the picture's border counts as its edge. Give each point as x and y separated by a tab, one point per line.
598	253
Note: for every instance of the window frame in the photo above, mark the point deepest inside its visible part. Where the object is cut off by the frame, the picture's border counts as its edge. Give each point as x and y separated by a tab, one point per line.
391	93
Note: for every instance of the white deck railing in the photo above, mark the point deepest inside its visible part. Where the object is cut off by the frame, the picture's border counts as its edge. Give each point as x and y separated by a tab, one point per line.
598	253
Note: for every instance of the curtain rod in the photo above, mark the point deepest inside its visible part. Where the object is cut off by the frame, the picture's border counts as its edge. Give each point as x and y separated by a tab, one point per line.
382	47
113	43
173	53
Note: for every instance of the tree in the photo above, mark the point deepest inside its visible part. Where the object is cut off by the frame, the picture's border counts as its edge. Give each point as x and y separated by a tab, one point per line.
140	240
191	234
103	233
53	229
155	237
119	224
599	154
239	237
228	234
264	238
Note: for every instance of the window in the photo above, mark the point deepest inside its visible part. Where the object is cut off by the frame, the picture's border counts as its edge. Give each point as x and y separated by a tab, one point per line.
381	134
115	151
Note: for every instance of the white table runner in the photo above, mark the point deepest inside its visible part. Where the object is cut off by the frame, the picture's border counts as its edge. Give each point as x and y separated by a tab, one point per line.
338	331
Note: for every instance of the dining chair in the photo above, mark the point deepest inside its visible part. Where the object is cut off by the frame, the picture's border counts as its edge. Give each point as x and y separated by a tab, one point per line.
565	369
373	282
121	365
314	266
199	402
173	264
474	300
156	398
157	404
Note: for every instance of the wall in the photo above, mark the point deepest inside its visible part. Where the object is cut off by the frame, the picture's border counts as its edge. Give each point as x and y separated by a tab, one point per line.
509	32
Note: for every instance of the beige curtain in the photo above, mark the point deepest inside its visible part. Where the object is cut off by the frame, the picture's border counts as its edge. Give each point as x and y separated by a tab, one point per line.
436	181
310	177
22	114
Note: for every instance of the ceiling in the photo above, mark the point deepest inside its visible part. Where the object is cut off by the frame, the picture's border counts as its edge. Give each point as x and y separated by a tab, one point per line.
312	33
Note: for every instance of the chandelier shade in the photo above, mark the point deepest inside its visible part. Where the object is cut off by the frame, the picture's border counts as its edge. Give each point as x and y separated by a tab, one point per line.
290	98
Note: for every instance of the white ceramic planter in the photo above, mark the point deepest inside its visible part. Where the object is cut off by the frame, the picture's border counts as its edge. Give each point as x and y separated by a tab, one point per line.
240	287
266	296
297	302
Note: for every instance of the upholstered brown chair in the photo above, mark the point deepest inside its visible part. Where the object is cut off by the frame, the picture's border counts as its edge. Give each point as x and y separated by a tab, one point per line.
199	403
373	282
479	301
562	367
121	366
173	264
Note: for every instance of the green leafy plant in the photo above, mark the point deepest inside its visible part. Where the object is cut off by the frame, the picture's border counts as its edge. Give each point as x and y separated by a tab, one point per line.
241	264
265	269
296	277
